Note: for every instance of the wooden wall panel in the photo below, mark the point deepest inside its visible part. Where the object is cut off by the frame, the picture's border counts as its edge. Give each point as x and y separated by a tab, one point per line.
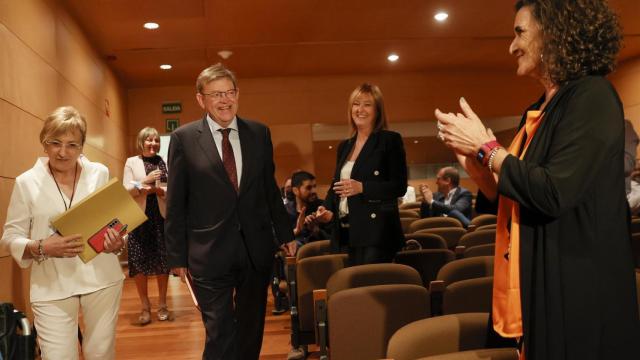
6	187
292	148
37	29
27	81
20	140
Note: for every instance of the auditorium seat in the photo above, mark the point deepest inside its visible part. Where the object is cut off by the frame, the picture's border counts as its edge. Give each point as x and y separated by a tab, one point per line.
444	335
426	261
451	234
428	240
434	222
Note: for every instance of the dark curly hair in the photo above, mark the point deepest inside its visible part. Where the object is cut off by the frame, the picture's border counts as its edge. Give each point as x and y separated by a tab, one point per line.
580	37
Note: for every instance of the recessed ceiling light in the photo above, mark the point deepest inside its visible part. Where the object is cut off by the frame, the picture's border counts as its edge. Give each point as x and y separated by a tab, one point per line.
151	25
330	147
415	141
441	16
165	67
393	57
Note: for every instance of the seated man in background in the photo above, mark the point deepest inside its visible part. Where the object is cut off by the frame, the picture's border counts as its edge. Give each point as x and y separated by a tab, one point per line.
306	202
450	200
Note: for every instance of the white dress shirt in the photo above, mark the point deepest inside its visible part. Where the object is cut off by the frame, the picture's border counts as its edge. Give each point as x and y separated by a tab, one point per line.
234	139
35	200
449	196
345	173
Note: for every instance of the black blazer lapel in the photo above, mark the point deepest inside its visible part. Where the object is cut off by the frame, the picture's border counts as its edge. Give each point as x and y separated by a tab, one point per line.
370	145
208	145
247	144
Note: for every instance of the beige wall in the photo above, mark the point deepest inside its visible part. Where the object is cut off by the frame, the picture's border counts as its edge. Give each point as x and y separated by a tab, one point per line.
47	62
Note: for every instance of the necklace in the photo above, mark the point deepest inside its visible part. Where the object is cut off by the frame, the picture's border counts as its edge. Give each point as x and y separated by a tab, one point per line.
73	193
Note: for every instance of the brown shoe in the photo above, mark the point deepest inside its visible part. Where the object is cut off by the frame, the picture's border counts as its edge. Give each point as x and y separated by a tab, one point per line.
143	319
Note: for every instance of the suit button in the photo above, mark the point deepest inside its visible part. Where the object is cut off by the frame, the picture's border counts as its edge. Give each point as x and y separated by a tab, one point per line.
376	173
373	215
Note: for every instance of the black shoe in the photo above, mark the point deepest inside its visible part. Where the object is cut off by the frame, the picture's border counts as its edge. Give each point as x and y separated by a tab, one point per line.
278	311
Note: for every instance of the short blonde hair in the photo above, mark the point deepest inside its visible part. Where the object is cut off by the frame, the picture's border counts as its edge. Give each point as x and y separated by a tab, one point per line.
144	134
380	122
63	120
214	72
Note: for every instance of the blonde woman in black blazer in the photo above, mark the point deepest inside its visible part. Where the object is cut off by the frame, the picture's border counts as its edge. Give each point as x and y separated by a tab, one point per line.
371	173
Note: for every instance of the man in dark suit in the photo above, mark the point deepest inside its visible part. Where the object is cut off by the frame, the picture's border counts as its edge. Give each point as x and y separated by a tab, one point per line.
223	208
450	200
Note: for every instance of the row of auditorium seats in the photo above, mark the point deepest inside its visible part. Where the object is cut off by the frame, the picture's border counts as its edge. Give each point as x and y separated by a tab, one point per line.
351	313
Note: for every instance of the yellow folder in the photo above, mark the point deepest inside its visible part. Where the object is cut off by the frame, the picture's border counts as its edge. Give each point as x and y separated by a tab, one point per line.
87	217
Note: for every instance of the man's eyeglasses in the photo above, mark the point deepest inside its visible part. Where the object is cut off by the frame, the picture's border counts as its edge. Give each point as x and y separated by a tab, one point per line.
57	145
218	95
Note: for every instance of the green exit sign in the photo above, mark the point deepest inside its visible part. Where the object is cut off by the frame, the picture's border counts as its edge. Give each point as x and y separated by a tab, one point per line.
171	124
171	108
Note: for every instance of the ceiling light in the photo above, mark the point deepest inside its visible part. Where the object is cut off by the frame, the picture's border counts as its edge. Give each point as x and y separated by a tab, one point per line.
165	67
441	16
225	54
393	57
330	147
415	141
151	25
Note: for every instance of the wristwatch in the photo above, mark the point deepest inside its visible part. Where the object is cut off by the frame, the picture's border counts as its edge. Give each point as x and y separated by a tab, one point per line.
485	151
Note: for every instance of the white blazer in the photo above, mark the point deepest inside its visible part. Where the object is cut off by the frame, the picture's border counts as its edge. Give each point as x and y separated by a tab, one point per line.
134	172
35	200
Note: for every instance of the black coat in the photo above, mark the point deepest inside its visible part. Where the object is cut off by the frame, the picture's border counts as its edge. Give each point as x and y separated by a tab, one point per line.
373	215
206	218
577	278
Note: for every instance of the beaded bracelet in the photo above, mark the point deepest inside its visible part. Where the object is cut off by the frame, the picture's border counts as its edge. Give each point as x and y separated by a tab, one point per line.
491	157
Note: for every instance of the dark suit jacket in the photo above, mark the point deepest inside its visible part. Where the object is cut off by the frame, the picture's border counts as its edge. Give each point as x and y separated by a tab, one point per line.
206	218
373	215
576	268
460	201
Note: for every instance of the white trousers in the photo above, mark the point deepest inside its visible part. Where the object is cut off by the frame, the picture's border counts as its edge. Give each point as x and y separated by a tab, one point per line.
56	322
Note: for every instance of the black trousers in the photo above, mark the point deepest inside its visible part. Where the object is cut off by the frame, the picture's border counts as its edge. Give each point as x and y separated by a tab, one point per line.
361	255
234	325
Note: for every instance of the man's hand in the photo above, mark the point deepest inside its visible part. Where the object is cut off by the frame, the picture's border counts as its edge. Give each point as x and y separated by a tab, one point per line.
426	193
290	248
300	222
323	215
181	272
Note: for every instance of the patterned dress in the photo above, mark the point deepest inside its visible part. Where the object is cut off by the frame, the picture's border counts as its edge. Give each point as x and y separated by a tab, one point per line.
147	251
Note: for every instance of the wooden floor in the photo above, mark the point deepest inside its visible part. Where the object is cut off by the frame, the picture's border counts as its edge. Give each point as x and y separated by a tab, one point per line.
183	338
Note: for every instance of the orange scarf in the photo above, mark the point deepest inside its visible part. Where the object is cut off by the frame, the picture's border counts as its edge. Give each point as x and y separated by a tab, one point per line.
507	308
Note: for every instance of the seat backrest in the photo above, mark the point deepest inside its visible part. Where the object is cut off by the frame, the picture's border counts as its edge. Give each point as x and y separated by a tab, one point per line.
635	225
480	354
434	222
638	288
478	237
426	261
451	234
635	247
409	213
428	240
410	205
467	268
362	320
311	274
314	248
456	298
439	335
484	219
480	250
406	222
486	227
371	274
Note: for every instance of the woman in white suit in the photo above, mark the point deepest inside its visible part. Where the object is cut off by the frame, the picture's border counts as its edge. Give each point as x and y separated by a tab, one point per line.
143	177
61	284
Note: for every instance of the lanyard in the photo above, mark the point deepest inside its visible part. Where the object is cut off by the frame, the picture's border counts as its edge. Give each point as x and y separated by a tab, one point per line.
75	176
